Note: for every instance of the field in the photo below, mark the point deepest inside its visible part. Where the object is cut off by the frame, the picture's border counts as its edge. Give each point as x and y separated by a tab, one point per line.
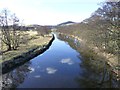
30	39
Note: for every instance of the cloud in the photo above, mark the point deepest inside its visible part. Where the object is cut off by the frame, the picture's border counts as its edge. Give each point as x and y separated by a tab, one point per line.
31	69
67	61
51	70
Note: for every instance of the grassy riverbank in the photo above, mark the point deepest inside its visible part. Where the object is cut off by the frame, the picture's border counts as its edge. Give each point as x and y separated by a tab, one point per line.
94	59
31	40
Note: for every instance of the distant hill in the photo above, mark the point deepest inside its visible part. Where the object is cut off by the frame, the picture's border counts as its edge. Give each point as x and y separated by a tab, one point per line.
66	23
40	26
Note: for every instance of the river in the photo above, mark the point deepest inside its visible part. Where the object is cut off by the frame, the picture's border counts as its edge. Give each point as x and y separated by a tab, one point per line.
58	67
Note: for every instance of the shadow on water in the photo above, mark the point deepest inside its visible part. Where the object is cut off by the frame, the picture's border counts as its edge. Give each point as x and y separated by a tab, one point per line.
16	77
96	73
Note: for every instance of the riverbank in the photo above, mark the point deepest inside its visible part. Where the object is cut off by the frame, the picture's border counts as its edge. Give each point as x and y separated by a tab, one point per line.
28	40
96	56
38	46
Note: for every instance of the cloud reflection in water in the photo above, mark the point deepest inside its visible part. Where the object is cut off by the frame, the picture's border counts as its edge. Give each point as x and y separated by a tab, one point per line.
31	69
67	61
51	70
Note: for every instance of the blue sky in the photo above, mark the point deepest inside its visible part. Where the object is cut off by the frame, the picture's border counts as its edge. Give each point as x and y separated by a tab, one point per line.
51	12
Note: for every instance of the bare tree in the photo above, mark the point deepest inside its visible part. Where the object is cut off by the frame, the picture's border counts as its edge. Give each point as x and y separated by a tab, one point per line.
9	30
5	29
15	32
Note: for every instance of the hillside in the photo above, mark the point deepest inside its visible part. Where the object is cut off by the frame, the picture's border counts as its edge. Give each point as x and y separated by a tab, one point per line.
66	23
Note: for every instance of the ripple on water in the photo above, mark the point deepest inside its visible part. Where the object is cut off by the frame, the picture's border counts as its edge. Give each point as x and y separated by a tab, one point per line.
37	76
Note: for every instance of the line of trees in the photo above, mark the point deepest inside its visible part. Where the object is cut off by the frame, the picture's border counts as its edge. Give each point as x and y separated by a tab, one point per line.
43	30
109	23
9	29
102	29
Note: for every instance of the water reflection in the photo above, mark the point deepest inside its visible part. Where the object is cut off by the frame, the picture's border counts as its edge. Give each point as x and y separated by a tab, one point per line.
94	76
51	70
59	67
67	61
16	77
31	69
37	76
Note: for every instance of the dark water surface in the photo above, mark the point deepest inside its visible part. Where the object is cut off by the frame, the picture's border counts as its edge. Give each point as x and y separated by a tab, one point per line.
58	67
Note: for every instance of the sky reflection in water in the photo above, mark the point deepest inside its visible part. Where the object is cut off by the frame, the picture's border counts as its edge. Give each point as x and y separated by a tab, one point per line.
58	67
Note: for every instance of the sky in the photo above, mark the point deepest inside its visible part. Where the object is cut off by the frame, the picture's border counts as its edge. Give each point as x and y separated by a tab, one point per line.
50	12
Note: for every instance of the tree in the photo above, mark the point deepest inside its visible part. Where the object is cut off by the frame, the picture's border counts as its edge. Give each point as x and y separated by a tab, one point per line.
15	33
9	29
109	13
5	28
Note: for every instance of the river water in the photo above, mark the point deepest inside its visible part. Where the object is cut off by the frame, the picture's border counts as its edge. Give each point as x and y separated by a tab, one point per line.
58	67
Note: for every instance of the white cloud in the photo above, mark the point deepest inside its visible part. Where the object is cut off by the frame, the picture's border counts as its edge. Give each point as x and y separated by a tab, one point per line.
51	70
67	61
